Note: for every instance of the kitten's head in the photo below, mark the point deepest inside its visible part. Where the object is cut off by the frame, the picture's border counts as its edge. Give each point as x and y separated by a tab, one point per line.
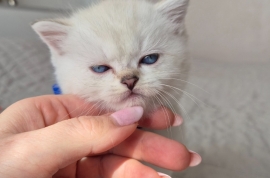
119	53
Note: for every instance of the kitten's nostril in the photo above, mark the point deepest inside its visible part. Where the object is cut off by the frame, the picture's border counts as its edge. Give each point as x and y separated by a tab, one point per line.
130	82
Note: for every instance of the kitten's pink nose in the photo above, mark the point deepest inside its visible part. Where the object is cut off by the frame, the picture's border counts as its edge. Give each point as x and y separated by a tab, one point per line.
130	81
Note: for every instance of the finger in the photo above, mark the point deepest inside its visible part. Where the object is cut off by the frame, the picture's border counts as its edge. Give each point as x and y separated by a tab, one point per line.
39	112
111	166
66	142
161	119
67	172
178	158
155	149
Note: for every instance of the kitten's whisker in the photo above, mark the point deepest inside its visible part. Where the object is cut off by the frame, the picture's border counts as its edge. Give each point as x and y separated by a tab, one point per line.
166	73
170	105
167	115
181	106
102	108
159	101
84	109
152	93
186	82
154	104
192	97
69	113
185	93
168	102
88	110
153	98
94	107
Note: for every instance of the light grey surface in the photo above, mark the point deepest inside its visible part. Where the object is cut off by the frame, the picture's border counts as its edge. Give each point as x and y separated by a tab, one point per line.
46	5
229	30
226	30
230	130
25	70
16	23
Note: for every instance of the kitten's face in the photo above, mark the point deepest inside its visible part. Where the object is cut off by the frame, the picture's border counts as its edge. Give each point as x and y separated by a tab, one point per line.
119	53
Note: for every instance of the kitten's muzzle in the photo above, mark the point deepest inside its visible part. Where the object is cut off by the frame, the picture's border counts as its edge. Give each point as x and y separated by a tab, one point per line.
130	81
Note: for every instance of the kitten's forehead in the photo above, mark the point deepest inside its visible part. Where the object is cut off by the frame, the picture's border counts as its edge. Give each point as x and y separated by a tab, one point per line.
122	27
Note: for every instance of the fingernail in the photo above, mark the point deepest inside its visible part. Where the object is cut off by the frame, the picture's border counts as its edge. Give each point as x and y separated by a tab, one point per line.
163	175
128	116
196	159
177	121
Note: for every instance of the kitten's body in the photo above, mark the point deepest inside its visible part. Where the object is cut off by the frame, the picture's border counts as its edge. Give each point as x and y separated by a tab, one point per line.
118	34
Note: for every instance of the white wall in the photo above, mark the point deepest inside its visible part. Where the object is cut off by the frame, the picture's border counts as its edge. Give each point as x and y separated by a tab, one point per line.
234	30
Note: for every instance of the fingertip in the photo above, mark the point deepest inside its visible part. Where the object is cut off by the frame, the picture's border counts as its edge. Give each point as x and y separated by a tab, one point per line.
128	116
195	159
178	120
161	118
163	175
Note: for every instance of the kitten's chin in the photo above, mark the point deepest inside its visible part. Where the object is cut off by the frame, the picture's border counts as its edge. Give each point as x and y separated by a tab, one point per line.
128	100
125	100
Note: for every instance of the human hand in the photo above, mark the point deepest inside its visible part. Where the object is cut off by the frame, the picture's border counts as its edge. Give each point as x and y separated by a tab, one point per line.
39	139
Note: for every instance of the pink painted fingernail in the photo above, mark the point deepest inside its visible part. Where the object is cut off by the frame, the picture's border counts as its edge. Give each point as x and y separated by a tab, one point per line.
128	116
164	175
177	121
196	159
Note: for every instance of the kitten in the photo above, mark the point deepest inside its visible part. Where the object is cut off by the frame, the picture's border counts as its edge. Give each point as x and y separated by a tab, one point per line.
121	53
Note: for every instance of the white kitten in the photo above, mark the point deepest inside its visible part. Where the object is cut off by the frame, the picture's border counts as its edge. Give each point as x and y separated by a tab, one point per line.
121	40
121	53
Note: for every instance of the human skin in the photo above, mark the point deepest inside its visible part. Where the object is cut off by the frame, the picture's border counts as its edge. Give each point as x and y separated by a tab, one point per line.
54	136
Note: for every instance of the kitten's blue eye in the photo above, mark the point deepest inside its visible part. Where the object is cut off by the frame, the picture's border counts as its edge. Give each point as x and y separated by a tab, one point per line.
100	69
149	59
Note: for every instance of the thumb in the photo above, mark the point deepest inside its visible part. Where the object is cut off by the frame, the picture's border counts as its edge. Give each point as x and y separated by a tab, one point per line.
66	142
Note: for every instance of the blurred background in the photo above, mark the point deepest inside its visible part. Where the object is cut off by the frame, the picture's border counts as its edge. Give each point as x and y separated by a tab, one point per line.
228	121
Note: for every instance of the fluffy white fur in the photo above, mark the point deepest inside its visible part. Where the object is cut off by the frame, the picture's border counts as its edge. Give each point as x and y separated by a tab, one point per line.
118	33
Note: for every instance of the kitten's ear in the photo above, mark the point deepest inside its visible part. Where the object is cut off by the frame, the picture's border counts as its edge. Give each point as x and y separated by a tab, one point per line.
175	10
53	33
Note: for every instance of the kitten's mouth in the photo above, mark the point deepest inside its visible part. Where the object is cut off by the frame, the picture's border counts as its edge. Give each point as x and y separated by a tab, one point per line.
131	96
